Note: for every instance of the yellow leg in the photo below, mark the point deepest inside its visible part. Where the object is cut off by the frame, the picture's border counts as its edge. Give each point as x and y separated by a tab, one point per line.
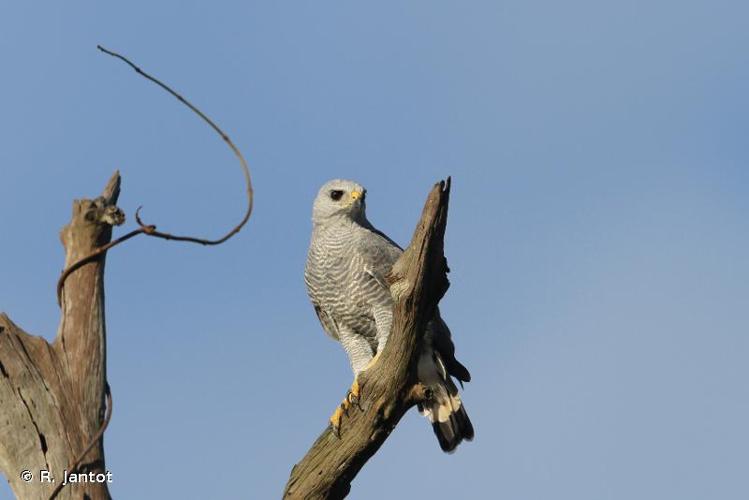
354	392
335	420
352	398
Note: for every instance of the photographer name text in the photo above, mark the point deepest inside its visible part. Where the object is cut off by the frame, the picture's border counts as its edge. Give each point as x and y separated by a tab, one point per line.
46	476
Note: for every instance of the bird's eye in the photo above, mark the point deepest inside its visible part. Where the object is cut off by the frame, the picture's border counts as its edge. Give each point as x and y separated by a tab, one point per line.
336	194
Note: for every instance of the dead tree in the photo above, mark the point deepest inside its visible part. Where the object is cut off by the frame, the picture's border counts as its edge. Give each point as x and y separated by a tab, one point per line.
55	402
53	396
389	388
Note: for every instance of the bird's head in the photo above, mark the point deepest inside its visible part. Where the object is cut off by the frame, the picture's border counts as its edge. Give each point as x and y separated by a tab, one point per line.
339	198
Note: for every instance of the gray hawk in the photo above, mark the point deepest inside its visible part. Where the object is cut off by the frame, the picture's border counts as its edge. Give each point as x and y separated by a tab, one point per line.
347	262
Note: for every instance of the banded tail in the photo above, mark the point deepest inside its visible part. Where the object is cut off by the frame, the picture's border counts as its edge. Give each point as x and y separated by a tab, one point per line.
444	409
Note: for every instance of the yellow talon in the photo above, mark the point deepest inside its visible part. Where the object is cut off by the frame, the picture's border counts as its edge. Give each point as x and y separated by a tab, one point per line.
355	390
335	420
354	394
352	398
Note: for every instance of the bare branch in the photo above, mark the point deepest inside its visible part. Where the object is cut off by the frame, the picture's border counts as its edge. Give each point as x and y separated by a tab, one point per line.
150	229
418	281
237	153
56	402
92	257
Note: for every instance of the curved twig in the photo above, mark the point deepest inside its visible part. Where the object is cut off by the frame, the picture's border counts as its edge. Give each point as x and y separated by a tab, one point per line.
93	255
237	153
150	229
94	440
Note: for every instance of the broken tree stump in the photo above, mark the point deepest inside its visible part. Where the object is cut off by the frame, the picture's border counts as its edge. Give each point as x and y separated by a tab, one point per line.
53	396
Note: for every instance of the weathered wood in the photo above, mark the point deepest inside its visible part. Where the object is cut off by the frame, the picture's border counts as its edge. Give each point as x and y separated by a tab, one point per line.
418	281
52	396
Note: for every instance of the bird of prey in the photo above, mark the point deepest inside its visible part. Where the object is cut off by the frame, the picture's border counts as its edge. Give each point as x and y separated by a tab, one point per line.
347	263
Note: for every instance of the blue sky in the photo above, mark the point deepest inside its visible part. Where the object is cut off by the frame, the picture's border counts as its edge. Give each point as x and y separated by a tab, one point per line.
597	235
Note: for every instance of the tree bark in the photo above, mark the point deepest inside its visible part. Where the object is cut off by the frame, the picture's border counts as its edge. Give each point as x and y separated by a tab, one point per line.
52	395
389	388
